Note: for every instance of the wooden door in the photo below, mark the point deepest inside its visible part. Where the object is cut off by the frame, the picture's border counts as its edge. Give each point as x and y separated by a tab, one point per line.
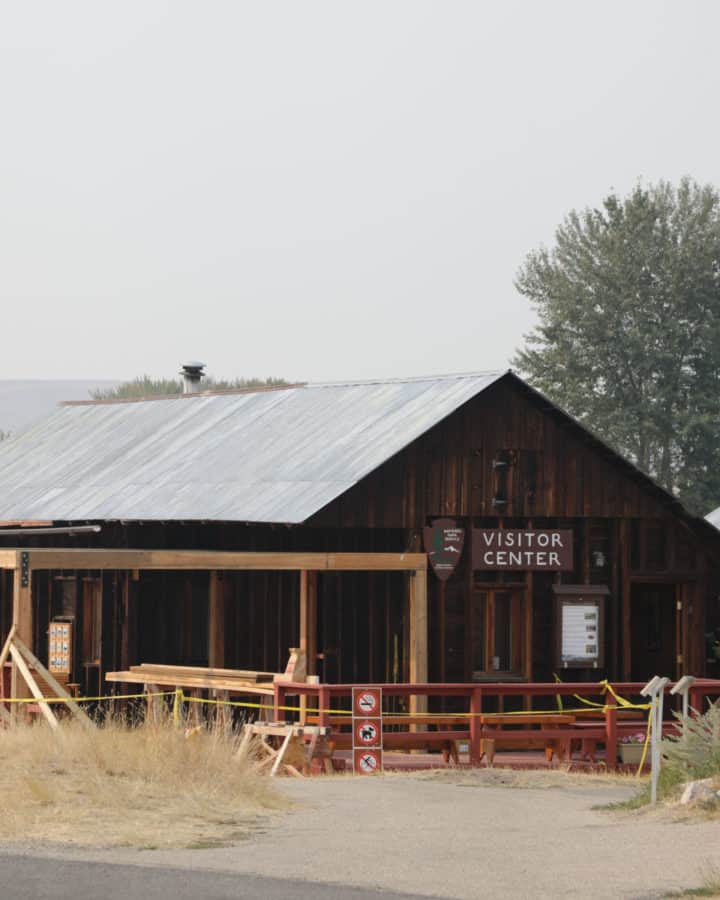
497	631
654	631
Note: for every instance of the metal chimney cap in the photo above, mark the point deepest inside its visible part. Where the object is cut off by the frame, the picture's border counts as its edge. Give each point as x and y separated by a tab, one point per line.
193	367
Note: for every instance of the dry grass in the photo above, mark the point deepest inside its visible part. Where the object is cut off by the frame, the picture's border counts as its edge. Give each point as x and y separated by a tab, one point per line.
539	779
147	786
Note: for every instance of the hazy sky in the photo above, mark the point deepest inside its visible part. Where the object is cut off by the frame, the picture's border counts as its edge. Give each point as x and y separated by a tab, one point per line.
319	190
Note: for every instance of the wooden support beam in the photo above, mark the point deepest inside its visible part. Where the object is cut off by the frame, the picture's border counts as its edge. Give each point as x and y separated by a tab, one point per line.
8	559
51	681
33	686
72	558
22	619
216	621
22	603
418	637
308	619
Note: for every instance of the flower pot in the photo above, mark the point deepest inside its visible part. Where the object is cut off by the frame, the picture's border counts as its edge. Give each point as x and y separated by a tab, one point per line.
631	754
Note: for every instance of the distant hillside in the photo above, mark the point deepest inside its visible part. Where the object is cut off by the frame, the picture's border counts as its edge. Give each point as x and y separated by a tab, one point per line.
23	402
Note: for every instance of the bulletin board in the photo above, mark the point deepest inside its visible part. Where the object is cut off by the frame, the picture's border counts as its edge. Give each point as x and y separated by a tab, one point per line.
580	626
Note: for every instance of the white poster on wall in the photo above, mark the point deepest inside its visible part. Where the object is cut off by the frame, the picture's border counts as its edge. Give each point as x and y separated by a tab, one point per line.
580	632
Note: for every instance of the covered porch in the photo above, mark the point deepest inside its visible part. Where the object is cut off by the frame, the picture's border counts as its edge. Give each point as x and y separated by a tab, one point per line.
125	605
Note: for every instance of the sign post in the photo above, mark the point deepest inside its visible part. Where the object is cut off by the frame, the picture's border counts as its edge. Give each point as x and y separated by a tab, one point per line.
655	690
367	730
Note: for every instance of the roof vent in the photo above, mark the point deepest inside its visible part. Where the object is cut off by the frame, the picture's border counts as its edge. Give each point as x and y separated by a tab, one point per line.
192	372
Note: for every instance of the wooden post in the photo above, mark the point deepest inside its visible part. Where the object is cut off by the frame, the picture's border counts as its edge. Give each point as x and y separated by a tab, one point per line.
129	631
418	636
612	612
625	599
308	619
308	629
278	701
22	617
22	599
610	735
528	633
323	701
475	726
216	622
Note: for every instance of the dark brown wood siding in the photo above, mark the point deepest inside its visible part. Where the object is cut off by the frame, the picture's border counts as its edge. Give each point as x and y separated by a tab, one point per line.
553	469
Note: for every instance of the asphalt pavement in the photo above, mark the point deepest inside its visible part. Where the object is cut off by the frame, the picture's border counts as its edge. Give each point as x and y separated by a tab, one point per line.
26	877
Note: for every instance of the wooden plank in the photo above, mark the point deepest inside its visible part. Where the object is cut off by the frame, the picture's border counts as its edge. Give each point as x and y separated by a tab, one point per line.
281	754
71	558
5	652
234	686
216	621
32	685
242	674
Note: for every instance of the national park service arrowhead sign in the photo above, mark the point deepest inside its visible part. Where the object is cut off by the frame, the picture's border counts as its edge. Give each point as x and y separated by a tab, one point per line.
443	542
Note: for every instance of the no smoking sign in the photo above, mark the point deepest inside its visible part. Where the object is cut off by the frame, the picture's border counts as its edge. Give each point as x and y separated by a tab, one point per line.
366	702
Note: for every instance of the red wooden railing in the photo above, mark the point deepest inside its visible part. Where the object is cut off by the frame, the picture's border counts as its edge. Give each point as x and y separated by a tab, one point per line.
607	730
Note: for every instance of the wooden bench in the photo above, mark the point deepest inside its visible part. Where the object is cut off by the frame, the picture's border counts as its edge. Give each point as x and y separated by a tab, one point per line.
552	734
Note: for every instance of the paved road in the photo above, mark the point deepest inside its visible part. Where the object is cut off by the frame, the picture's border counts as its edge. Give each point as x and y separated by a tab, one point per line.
33	878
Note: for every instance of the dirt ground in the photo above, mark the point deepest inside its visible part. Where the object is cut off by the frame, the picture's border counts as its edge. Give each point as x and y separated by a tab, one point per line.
460	835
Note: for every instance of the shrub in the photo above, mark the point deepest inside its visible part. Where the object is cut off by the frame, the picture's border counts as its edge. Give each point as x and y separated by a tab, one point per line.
692	754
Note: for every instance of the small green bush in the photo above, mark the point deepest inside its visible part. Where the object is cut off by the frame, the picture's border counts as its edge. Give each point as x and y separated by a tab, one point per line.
695	752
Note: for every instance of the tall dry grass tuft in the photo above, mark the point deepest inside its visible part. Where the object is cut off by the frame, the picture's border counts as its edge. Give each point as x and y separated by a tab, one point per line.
146	786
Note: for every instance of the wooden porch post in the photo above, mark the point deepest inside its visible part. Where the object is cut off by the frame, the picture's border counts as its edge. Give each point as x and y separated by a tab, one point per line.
216	622
308	619
22	617
418	642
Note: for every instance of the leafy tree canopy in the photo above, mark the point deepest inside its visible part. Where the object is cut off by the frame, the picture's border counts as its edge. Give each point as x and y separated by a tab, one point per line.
146	386
628	339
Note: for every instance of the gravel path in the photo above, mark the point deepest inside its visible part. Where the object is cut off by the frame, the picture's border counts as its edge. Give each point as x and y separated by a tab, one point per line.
459	836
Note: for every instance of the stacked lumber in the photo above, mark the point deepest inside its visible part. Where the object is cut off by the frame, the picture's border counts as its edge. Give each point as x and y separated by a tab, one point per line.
233	681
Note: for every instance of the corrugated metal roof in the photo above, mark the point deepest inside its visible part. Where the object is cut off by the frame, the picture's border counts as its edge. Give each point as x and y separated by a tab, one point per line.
269	456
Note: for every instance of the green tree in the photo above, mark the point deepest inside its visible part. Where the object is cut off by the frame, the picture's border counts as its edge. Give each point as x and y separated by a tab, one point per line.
628	339
146	386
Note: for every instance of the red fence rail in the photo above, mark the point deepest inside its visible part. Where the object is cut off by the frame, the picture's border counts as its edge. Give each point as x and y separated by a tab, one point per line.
608	729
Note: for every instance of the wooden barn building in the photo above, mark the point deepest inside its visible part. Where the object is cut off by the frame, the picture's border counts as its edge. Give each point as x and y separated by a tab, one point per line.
457	528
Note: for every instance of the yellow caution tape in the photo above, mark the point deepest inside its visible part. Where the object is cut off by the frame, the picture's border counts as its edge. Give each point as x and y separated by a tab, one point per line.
83	699
645	748
179	697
